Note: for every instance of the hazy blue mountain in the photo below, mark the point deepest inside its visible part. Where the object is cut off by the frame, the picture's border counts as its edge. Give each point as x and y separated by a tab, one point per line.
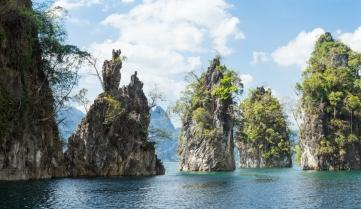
166	147
71	117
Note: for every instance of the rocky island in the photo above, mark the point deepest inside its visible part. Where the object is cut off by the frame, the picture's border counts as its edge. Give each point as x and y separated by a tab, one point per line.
330	105
264	137
206	138
112	138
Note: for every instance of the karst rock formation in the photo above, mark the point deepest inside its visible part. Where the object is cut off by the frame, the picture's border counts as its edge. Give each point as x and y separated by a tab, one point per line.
112	139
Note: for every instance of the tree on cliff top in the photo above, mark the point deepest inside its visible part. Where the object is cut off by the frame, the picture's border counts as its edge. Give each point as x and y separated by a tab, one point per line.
331	87
264	124
197	98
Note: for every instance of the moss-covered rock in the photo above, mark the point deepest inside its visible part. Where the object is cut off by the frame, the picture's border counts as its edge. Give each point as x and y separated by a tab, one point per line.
331	107
206	139
264	137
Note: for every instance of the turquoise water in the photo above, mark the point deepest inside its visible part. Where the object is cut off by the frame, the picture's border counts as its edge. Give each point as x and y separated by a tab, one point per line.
243	188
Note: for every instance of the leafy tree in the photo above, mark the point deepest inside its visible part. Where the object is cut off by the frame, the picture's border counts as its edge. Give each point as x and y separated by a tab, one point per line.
264	125
60	61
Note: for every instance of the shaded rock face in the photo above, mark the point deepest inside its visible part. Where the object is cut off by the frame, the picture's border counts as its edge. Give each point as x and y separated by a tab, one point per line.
251	157
29	143
111	72
112	138
215	152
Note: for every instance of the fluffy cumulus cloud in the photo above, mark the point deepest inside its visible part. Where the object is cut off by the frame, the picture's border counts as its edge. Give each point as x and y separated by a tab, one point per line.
259	57
352	39
297	51
181	25
165	39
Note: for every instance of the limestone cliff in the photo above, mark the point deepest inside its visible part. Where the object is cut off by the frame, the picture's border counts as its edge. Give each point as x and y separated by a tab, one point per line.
206	139
29	143
112	138
264	137
331	107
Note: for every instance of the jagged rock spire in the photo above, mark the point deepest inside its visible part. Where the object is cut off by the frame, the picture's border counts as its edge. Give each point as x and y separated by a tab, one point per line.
135	82
111	72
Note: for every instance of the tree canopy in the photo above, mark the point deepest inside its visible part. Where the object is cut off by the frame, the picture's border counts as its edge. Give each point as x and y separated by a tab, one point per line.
198	95
264	124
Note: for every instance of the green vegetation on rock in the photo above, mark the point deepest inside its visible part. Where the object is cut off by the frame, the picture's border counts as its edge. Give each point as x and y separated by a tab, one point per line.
2	37
60	61
196	100
114	108
331	89
230	84
264	125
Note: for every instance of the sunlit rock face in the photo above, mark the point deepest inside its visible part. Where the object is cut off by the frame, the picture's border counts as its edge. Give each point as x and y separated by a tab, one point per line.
29	143
212	151
112	139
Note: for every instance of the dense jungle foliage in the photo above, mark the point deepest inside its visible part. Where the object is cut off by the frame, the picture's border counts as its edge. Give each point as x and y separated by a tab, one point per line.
264	124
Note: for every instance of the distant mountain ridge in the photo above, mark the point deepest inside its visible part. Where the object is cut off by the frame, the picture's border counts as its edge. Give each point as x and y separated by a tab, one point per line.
71	117
166	147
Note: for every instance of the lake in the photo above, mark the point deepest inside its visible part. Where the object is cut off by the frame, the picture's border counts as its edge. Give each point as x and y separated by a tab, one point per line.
243	188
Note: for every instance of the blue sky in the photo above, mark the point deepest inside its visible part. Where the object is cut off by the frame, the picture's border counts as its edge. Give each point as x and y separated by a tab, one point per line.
267	42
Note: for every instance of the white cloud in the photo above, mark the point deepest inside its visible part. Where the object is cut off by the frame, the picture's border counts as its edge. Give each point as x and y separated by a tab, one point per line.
155	66
178	25
247	79
353	40
298	50
164	40
127	1
259	57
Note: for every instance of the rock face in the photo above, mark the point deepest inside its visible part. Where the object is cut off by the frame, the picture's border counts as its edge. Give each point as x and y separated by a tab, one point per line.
251	157
206	139
111	72
112	138
29	143
264	138
330	102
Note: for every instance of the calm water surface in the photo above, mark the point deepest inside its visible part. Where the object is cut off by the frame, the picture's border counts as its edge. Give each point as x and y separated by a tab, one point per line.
243	188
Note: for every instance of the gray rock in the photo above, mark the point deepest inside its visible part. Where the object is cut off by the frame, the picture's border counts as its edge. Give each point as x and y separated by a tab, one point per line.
111	72
29	143
212	153
112	138
251	157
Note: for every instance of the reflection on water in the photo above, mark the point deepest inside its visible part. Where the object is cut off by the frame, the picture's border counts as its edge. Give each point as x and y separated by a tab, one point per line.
244	188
